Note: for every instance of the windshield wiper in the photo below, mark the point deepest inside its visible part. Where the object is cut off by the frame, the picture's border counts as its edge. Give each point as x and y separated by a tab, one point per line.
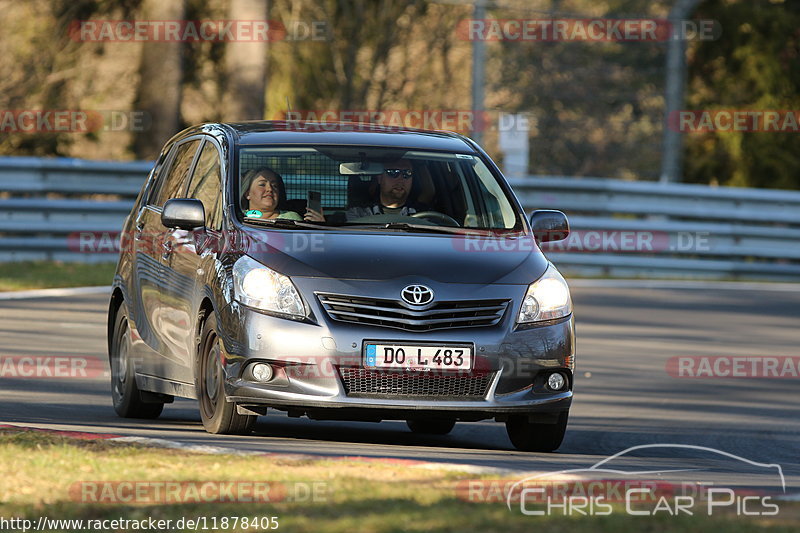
415	227
286	223
422	227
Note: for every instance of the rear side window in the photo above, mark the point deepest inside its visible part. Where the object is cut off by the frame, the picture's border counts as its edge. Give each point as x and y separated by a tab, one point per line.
206	184
171	183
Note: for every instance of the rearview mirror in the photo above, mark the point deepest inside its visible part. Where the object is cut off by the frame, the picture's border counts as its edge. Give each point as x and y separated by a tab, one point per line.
549	225
364	167
183	213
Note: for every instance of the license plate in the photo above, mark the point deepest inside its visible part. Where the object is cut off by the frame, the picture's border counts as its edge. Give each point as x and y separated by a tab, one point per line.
418	357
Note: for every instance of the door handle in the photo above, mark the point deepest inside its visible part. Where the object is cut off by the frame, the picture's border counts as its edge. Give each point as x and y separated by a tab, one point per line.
139	225
167	249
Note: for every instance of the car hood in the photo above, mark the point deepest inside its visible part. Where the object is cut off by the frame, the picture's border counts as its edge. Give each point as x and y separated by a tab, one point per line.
383	256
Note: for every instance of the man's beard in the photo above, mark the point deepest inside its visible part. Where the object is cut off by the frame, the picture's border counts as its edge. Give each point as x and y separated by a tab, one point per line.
398	195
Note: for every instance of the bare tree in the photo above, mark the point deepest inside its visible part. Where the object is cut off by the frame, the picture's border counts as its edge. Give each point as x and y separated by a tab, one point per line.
355	68
160	81
245	67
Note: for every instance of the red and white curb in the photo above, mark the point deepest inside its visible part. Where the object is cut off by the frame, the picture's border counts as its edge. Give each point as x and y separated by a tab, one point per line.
221	450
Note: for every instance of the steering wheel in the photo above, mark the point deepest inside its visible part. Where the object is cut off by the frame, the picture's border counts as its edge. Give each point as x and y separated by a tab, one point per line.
436	216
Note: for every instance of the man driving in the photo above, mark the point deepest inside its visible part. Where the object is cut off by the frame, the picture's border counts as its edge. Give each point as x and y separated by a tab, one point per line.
394	187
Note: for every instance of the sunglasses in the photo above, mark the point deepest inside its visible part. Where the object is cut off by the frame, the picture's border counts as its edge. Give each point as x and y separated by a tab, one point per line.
406	173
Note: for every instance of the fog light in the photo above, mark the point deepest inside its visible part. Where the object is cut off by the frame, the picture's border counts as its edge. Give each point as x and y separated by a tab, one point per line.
556	381
261	372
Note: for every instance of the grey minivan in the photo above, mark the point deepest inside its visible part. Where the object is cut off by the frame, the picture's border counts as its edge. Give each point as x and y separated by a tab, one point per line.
340	272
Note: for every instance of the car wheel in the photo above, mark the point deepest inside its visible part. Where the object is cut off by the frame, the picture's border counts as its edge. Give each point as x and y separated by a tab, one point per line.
536	437
434	426
124	392
218	414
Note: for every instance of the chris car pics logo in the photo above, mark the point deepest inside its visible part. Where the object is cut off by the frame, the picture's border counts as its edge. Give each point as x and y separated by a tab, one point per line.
703	481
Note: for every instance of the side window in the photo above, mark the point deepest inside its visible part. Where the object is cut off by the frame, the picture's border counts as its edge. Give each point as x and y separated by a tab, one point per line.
157	175
170	184
206	185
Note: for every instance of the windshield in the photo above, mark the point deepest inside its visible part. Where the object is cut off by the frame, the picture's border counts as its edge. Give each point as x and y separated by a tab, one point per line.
367	188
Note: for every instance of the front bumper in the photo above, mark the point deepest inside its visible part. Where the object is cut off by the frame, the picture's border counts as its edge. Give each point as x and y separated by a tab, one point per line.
308	356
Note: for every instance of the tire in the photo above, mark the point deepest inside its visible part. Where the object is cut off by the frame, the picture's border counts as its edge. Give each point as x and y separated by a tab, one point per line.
536	437
219	415
432	426
124	392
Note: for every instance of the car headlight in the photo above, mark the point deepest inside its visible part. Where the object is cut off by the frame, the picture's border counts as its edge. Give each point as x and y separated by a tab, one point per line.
258	286
547	298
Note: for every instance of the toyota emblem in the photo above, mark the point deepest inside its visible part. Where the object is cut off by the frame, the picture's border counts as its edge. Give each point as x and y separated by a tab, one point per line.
417	294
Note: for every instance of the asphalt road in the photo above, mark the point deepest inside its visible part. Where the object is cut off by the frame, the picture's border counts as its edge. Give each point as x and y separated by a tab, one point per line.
625	395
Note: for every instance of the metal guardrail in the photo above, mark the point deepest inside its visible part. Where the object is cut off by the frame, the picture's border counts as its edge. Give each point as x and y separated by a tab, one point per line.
44	201
675	230
620	228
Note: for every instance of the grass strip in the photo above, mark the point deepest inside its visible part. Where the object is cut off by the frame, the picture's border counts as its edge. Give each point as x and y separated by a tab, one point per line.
48	475
25	275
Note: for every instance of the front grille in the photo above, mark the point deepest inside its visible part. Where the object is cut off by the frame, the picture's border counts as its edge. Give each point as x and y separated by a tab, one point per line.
395	314
367	383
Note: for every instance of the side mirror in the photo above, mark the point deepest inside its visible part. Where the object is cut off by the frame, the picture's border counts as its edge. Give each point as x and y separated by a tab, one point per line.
183	213
549	225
